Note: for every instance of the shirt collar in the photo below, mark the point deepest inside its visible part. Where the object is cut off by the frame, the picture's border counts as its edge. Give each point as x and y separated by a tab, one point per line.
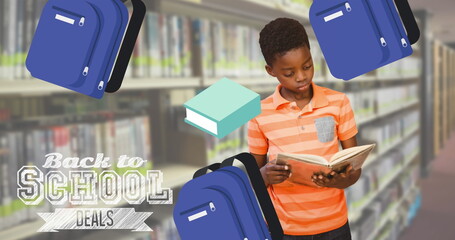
319	98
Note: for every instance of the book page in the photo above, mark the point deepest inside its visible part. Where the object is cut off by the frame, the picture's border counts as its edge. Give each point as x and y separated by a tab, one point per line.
356	159
350	152
304	158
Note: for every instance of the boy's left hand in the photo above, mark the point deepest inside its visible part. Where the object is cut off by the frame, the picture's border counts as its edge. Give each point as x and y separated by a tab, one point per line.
337	180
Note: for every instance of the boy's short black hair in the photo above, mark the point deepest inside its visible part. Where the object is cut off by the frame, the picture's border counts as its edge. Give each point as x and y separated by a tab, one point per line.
280	36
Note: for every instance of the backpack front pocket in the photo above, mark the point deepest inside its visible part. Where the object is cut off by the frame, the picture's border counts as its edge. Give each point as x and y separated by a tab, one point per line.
346	32
62	47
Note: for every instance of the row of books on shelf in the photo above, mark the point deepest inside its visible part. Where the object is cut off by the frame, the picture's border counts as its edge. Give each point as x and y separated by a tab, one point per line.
391	231
287	6
393	228
391	98
381	206
163	47
406	68
172	46
219	149
67	106
368	103
18	21
389	132
319	64
387	217
113	138
167	46
228	50
409	67
362	103
373	213
381	172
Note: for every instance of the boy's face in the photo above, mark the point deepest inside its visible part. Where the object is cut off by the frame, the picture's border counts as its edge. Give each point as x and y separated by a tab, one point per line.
294	70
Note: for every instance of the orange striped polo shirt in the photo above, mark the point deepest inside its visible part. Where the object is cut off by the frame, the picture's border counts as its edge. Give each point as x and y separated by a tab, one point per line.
316	129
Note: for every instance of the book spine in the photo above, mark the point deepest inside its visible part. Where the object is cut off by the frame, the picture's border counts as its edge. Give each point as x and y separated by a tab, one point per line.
154	45
19	60
4	184
217	42
2	43
28	34
187	43
12	38
19	156
197	47
141	47
204	46
170	45
165	45
209	49
238	62
130	70
29	160
181	45
146	139
145	50
175	46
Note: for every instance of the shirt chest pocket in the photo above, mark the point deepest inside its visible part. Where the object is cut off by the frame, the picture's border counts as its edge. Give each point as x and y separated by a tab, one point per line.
325	128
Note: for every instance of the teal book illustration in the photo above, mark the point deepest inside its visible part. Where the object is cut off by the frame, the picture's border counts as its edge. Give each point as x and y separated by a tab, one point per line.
222	108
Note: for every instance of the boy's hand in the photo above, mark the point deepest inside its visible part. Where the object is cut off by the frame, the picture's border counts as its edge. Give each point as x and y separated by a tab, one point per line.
337	180
273	173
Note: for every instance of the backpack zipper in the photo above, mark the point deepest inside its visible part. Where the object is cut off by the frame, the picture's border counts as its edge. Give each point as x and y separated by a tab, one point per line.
403	40
200	214
65	19
346	4
228	199
252	201
81	23
381	36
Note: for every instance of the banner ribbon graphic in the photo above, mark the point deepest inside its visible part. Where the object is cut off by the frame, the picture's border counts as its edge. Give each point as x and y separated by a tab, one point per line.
95	218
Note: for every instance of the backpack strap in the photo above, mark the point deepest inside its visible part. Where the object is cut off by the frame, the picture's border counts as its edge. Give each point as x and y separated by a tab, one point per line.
409	20
126	49
204	170
276	231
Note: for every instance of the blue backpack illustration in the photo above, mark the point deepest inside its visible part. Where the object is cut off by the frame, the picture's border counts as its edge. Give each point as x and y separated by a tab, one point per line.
222	204
358	36
85	45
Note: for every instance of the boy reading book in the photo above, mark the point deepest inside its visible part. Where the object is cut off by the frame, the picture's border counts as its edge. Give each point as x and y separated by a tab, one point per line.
305	165
301	117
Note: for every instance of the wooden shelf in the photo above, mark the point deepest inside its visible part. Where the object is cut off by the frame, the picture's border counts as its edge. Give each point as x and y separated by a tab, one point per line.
355	215
364	78
156	83
376	157
30	87
256	11
39	87
385	114
390	213
255	81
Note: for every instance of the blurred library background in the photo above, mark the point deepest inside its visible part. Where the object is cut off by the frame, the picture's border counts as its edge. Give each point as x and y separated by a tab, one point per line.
407	108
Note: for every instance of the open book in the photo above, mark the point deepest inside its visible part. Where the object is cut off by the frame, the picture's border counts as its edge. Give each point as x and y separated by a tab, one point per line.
305	165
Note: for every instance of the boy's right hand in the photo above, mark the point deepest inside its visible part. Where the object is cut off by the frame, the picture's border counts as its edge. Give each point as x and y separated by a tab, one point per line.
273	173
